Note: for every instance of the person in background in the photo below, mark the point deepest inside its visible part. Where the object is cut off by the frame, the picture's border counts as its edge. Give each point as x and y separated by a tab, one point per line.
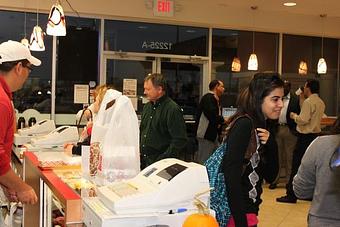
308	128
286	133
90	114
209	121
85	115
252	149
16	63
162	126
316	179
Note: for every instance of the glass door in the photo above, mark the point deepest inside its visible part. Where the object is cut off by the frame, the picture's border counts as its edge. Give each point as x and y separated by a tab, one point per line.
187	76
118	69
184	83
185	86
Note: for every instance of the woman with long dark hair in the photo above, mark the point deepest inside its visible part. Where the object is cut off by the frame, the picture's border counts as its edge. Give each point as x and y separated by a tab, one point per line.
252	151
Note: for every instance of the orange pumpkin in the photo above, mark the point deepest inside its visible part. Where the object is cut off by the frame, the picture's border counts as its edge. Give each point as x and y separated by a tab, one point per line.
202	218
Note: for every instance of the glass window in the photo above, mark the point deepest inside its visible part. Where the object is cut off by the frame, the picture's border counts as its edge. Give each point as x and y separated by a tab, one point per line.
118	70
36	91
227	44
155	38
77	61
183	84
308	49
296	48
183	79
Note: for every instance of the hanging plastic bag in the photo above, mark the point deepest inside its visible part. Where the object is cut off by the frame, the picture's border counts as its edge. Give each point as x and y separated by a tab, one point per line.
116	133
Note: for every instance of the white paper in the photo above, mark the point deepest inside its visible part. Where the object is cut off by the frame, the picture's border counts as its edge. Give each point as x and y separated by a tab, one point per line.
85	160
130	87
81	93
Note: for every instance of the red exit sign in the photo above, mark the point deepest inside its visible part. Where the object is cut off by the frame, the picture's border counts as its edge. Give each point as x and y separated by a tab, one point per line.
163	8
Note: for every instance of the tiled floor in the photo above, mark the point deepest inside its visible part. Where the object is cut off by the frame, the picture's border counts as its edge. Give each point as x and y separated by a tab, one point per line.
273	214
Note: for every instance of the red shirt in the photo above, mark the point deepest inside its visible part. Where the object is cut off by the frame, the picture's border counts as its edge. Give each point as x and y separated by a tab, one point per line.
6	126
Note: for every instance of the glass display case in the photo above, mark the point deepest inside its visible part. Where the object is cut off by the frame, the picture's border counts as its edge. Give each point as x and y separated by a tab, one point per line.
59	202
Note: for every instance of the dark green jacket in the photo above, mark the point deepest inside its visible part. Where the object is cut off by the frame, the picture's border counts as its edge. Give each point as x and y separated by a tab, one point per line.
162	131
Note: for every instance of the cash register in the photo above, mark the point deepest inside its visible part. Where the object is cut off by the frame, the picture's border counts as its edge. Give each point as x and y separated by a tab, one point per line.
161	194
25	135
57	137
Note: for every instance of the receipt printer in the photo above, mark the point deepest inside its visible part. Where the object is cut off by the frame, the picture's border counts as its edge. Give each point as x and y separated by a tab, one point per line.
57	137
26	134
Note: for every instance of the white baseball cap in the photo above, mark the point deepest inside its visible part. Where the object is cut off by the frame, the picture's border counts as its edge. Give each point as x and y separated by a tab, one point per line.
15	51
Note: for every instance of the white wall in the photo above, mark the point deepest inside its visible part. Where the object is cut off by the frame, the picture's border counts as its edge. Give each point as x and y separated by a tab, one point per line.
192	12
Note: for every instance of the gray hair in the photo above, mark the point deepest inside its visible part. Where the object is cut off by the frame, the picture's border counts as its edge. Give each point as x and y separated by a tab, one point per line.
157	80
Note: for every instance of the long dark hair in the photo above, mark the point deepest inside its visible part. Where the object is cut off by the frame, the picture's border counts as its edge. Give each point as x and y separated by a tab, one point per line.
250	99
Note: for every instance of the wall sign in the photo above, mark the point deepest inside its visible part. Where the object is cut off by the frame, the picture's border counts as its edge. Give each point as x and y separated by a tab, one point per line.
163	8
81	93
156	45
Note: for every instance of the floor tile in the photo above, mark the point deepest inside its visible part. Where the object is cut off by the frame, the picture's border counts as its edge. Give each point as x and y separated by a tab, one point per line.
274	214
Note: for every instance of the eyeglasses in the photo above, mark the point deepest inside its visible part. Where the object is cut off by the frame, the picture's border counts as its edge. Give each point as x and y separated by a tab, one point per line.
29	67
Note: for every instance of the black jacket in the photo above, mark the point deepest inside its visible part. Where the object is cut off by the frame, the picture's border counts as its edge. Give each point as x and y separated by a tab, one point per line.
209	106
237	174
76	149
293	106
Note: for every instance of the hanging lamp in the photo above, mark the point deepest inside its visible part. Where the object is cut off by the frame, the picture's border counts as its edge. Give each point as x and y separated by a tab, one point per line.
322	65
37	39
37	36
24	40
303	69
252	62
236	65
56	24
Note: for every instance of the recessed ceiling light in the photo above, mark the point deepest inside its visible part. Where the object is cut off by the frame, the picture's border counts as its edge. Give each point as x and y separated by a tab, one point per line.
289	4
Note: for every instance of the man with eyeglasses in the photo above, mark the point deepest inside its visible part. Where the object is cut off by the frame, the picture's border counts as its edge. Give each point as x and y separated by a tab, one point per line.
16	64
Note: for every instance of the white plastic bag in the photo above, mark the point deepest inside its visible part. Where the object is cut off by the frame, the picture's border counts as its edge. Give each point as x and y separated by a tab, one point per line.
116	133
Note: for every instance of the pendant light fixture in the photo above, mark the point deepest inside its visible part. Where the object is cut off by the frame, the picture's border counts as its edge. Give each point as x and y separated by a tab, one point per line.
25	40
236	65
252	62
322	66
303	69
37	36
56	24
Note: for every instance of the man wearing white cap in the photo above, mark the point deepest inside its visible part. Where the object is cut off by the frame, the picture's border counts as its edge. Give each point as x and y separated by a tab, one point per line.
16	64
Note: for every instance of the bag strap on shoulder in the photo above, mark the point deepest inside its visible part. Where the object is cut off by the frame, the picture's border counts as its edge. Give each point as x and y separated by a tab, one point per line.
251	149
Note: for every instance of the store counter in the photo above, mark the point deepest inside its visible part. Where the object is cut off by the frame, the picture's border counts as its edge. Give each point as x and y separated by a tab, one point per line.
328	121
49	188
16	162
